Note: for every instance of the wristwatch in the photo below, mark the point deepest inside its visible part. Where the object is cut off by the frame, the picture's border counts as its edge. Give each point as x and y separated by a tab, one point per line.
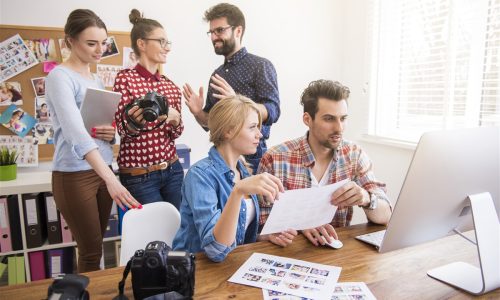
373	202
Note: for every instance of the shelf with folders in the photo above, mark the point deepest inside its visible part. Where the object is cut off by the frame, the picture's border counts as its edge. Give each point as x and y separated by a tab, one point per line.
27	210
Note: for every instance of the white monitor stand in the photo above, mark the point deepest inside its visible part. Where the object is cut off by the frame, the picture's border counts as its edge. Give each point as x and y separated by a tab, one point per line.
487	230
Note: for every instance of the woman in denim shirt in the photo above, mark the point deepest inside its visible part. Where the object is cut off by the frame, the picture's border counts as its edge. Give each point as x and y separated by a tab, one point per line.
219	208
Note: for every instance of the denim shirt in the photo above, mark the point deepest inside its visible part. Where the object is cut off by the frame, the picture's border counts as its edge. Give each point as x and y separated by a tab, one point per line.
205	192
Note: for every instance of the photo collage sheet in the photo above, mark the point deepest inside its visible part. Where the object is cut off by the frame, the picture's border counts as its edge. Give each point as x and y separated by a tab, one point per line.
286	275
285	278
18	55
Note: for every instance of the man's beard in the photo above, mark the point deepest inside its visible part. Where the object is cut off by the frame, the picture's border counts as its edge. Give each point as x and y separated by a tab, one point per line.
227	46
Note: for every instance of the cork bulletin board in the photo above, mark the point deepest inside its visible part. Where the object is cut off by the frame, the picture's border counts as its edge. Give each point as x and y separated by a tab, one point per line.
122	39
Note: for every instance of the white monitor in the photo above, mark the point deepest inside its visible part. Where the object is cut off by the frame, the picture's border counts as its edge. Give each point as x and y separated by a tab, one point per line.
453	183
447	167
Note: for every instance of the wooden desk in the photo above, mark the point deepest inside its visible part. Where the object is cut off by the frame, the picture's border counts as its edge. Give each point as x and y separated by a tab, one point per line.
395	275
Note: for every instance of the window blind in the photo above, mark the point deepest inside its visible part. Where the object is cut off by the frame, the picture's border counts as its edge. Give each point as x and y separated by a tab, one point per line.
437	66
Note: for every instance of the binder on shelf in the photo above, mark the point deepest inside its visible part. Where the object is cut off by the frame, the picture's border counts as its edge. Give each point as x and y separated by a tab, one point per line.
33	218
53	220
5	240
59	261
20	275
3	265
112	228
15	223
67	237
37	265
12	270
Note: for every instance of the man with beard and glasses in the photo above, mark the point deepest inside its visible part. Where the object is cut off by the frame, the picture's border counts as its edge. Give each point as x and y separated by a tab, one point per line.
323	157
242	73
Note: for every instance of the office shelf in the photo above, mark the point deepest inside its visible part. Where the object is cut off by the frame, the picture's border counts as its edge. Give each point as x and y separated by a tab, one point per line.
27	183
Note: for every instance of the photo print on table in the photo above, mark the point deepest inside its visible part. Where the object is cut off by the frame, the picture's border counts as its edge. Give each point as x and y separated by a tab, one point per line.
10	93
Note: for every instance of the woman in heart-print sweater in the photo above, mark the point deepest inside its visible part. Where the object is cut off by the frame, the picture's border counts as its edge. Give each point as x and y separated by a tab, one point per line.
148	162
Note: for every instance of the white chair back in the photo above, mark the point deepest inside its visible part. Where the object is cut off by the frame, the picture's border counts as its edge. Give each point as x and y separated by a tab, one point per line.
158	221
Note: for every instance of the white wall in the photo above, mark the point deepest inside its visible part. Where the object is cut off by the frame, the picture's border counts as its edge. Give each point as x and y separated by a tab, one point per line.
297	36
305	39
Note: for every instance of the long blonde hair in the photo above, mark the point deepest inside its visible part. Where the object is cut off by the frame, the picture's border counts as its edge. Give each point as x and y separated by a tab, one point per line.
229	114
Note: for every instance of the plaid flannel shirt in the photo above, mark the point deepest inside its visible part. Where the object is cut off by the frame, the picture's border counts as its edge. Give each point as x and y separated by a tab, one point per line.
292	163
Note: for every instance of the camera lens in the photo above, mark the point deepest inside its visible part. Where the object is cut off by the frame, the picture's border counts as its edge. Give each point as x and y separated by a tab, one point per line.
152	262
150	114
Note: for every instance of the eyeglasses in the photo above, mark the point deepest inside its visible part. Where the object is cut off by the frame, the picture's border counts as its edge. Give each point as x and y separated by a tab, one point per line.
163	42
219	30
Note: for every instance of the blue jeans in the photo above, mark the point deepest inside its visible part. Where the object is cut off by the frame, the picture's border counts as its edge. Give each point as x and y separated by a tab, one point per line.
163	185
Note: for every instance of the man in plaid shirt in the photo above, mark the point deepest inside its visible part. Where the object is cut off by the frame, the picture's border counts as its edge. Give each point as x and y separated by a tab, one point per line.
322	157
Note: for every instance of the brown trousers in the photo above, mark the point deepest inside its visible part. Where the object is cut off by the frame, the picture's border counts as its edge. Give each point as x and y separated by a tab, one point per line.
84	201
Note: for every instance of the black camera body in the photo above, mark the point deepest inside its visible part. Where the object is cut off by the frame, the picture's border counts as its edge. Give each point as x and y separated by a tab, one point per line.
69	286
153	105
157	269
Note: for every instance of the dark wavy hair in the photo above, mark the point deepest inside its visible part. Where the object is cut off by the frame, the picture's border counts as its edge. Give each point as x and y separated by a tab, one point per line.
332	90
233	14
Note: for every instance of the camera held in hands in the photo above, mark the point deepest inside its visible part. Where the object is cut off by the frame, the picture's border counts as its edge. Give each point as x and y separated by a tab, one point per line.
157	269
153	106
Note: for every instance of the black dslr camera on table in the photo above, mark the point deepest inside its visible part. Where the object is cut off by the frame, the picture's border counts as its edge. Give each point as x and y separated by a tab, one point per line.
69	287
159	270
153	106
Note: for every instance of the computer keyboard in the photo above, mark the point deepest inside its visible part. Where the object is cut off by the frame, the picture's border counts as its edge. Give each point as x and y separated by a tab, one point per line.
374	238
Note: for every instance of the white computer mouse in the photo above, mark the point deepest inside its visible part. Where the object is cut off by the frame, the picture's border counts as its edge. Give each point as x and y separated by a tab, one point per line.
335	244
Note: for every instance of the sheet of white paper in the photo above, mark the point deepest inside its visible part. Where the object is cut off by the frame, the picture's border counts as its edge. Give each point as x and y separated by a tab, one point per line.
340	291
287	275
295	208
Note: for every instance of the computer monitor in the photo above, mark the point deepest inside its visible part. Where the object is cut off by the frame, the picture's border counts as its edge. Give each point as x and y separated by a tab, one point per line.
447	167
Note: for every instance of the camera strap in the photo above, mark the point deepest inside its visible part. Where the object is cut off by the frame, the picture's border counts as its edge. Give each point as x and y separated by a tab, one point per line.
121	284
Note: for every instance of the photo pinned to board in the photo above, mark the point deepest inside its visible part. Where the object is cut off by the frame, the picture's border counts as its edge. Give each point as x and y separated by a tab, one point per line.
15	57
25	147
64	50
129	58
17	120
10	93
38	86
110	48
43	49
42	110
43	133
108	73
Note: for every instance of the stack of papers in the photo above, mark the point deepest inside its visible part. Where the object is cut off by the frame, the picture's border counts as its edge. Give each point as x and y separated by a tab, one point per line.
287	278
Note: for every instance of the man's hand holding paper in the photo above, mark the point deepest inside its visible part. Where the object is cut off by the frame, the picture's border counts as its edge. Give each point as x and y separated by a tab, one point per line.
302	209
